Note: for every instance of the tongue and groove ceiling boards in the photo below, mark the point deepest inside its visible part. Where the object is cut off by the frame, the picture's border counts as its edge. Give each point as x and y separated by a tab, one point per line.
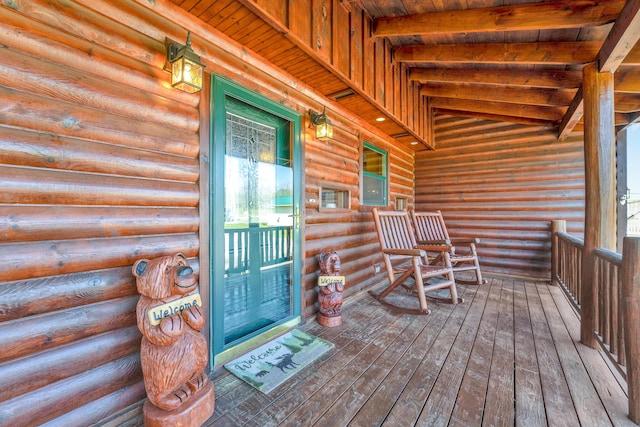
410	60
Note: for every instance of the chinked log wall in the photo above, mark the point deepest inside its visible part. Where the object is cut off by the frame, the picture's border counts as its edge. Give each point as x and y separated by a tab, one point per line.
503	183
99	166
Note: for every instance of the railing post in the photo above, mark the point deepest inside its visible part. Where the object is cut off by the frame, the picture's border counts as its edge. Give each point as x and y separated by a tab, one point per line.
631	317
558	225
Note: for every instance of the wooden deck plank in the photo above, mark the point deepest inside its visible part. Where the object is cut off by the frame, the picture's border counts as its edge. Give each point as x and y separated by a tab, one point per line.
361	332
438	408
612	395
377	407
411	401
529	400
507	356
256	401
348	403
588	405
500	390
557	398
354	336
343	381
469	406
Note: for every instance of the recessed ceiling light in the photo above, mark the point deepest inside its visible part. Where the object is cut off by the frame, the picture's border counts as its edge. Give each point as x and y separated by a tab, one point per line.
381	119
414	142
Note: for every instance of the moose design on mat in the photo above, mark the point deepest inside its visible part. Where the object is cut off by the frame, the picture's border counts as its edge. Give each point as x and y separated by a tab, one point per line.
272	363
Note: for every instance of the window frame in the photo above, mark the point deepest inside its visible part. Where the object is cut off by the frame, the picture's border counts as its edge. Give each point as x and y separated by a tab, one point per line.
384	178
337	188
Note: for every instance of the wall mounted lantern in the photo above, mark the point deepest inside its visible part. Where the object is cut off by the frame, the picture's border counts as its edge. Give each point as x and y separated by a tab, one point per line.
187	72
324	128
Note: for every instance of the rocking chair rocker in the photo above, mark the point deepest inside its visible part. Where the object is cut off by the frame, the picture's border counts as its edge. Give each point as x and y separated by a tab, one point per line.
401	255
430	229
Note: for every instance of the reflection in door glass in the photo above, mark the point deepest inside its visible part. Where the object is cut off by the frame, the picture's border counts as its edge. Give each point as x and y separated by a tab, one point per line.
258	225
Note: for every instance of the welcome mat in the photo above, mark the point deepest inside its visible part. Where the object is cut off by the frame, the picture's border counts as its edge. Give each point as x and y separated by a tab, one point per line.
271	364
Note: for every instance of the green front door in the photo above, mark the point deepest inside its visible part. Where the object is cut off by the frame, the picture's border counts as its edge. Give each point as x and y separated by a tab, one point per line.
255	223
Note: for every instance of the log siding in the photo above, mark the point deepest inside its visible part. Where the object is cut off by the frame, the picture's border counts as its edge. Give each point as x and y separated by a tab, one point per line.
503	183
101	164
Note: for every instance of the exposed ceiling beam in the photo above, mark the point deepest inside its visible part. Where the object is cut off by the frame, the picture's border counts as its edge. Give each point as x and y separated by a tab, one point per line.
560	53
626	102
619	47
497	117
623	119
572	116
633	58
621	39
627	80
544	97
500	77
500	108
521	17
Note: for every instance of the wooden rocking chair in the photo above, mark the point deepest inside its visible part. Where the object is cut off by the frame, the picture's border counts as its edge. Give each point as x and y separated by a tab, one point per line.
430	229
398	245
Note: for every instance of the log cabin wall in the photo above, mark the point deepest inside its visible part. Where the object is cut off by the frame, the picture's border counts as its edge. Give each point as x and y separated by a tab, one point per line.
503	183
100	166
351	231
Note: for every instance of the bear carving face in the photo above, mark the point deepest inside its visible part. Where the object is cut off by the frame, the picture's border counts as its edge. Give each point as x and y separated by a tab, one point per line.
330	263
163	277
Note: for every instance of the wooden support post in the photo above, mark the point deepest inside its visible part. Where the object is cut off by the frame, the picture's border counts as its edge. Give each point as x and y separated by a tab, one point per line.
631	318
599	164
558	225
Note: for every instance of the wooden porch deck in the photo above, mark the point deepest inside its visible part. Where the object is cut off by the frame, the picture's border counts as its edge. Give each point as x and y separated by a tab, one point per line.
509	355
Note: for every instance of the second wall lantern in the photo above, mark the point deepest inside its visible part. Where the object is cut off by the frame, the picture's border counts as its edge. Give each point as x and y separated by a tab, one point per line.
187	72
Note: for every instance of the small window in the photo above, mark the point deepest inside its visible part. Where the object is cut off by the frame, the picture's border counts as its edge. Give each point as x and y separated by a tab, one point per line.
332	198
374	176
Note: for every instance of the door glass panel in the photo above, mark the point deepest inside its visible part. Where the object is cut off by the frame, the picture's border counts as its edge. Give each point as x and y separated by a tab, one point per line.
258	224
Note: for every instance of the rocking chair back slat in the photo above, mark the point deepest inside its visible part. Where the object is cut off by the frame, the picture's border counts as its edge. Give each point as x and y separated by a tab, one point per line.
430	228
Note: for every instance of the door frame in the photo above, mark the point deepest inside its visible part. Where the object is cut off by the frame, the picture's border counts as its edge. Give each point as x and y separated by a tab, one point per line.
221	88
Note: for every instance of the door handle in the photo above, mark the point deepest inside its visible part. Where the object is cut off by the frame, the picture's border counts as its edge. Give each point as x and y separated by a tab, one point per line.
296	218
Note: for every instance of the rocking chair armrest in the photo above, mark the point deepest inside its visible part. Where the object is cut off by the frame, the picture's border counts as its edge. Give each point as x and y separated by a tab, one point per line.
435	248
463	240
434	242
407	252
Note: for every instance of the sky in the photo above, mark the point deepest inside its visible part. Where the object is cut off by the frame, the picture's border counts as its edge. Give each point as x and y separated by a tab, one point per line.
633	161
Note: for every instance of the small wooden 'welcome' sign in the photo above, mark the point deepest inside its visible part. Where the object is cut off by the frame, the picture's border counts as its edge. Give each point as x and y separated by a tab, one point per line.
326	280
156	314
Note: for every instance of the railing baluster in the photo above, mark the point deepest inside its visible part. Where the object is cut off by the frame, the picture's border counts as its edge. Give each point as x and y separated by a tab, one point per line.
612	306
631	318
616	301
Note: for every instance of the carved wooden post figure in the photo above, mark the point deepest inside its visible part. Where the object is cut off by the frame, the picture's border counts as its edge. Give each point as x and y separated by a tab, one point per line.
330	290
173	351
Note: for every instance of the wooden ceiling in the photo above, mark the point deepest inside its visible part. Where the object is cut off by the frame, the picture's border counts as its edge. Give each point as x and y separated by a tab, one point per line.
505	60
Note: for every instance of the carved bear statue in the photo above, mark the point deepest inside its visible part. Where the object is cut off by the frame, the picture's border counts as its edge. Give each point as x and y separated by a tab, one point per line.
330	295
173	351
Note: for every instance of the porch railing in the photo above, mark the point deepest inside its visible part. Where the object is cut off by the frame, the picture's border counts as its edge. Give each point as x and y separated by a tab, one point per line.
272	246
566	264
616	284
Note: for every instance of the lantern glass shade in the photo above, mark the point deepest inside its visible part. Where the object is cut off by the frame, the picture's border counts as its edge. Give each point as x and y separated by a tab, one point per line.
187	72
324	131
324	128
